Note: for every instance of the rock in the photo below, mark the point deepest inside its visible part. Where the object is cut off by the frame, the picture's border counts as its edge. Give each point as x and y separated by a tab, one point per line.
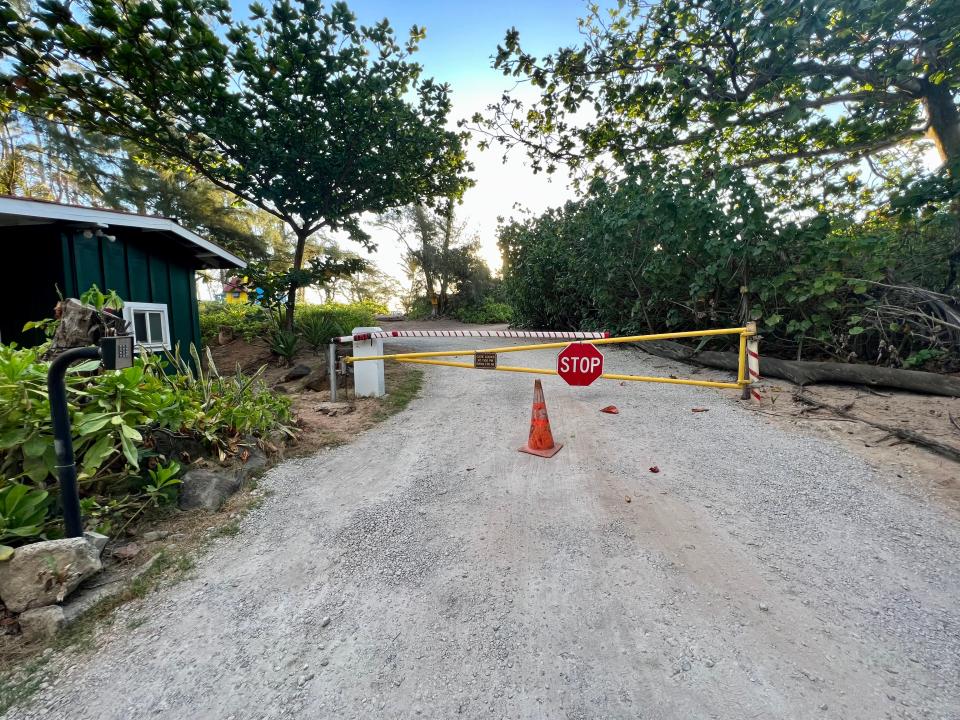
763	607
207	489
46	572
155	535
254	465
335	408
325	621
42	623
126	552
178	446
296	372
319	380
97	540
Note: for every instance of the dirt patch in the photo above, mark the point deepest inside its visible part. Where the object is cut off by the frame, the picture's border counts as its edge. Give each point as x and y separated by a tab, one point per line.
927	415
318	425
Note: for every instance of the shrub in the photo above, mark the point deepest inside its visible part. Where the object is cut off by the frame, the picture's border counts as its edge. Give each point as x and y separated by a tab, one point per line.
486	312
681	250
116	417
317	329
344	316
243	320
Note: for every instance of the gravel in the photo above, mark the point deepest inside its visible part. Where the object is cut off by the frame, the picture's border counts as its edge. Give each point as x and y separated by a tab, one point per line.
760	573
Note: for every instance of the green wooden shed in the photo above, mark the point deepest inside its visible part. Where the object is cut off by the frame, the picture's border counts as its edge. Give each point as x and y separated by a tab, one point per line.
149	261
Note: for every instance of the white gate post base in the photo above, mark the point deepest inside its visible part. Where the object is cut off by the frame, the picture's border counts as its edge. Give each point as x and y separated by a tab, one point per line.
368	376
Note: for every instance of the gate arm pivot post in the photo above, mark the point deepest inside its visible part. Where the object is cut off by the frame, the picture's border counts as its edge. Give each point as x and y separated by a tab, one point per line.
332	368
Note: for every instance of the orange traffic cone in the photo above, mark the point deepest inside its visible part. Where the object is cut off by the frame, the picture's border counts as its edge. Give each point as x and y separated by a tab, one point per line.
540	441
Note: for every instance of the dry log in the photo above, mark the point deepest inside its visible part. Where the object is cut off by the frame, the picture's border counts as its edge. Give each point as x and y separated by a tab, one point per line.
810	373
916	438
82	325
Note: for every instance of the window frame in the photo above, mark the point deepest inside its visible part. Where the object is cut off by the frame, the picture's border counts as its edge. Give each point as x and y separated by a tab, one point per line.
129	308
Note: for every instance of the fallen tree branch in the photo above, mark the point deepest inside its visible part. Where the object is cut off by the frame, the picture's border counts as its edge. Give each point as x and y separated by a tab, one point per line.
804	372
903	434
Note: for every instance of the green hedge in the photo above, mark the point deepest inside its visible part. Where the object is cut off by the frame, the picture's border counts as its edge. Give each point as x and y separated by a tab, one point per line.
486	312
251	322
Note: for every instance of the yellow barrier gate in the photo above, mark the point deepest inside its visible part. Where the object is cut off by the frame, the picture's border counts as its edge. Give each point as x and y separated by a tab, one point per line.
747	335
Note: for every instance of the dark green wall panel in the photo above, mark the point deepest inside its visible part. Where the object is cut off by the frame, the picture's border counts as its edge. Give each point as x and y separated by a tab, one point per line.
195	310
88	269
114	267
138	275
159	280
181	315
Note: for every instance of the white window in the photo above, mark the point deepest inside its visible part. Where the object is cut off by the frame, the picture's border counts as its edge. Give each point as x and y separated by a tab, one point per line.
150	324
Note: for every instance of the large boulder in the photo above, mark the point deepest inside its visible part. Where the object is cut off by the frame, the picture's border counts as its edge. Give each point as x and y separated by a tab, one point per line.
207	489
46	572
42	623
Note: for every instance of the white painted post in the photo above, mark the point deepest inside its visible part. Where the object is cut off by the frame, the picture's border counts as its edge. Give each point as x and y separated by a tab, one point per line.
368	376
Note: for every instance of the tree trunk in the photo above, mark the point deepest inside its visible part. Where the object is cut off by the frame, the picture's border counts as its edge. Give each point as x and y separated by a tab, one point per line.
297	264
811	373
944	121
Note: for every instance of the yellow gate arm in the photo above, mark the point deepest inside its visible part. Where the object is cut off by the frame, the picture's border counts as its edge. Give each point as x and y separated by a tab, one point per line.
743	332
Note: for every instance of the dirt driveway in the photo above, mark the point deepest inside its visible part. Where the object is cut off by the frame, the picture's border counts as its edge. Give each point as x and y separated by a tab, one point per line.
760	574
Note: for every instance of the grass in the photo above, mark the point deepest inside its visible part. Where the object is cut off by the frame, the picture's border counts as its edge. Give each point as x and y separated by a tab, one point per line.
404	387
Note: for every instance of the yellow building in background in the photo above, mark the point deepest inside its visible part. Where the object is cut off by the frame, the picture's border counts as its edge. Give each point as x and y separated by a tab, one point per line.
235	290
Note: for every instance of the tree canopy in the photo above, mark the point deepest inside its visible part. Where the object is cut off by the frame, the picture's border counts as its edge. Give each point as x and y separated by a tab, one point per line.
303	112
755	83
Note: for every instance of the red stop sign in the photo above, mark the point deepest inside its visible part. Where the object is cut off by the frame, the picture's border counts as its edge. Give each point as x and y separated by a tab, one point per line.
580	364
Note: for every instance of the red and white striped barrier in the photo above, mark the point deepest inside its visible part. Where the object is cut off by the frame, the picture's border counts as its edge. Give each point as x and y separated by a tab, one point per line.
753	366
516	334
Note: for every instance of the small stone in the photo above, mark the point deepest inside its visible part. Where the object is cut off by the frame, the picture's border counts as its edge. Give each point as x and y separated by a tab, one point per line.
325	621
127	552
709	663
824	706
155	535
764	607
324	662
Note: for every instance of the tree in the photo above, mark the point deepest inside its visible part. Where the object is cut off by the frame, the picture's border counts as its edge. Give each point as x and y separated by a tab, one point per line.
759	83
305	114
436	248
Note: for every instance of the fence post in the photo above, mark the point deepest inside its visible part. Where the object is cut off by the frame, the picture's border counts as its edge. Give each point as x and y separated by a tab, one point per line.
332	369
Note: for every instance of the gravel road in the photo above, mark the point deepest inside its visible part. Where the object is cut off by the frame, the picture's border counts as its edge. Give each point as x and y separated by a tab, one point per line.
428	570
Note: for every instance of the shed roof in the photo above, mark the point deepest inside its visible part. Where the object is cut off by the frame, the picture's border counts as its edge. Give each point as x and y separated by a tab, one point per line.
21	211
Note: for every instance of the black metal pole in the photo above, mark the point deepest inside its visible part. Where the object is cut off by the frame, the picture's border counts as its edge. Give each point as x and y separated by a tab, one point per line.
63	437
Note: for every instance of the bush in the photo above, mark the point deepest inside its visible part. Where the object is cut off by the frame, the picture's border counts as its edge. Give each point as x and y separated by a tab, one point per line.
117	417
345	316
486	312
243	320
681	250
312	322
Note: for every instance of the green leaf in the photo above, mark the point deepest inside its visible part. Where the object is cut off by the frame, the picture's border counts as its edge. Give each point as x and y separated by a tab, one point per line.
94	423
131	432
98	453
12	438
858	330
129	451
36	445
6	552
